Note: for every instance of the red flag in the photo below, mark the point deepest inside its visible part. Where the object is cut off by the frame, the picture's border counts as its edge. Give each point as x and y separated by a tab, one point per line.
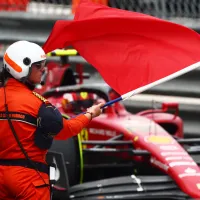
129	49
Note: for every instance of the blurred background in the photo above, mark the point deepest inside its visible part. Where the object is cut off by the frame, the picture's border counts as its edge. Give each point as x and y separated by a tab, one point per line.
33	20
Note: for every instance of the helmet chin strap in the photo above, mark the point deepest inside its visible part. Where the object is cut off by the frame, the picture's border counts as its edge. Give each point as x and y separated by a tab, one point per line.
29	84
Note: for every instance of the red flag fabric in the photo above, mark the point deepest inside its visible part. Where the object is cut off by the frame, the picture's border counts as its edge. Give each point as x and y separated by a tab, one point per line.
129	49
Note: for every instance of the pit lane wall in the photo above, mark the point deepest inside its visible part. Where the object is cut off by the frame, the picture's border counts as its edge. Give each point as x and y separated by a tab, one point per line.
36	28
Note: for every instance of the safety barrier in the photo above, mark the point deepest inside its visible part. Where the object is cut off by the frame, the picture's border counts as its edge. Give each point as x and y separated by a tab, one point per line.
161	8
187	9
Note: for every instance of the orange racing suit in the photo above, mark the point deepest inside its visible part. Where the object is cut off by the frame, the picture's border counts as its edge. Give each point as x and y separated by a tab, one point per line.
16	181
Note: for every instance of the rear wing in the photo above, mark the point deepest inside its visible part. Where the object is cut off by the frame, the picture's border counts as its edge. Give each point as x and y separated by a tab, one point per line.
71	57
67	56
62	52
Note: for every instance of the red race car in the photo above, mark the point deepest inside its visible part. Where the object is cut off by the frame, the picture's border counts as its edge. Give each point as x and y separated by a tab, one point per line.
121	155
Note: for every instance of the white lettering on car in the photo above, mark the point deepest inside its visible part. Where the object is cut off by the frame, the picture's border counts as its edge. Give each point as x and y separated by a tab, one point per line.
189	172
182	163
186	175
109	133
178	158
173	153
169	147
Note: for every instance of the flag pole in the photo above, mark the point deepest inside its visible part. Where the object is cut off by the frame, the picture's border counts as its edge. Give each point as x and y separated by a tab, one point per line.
146	87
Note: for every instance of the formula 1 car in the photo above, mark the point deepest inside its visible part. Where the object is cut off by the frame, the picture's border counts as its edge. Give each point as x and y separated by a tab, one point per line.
121	155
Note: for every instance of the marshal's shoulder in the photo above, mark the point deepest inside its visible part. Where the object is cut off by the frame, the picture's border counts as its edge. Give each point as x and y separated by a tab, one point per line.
40	97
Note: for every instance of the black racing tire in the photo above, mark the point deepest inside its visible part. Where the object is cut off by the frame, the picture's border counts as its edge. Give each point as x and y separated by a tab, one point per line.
130	188
70	150
60	185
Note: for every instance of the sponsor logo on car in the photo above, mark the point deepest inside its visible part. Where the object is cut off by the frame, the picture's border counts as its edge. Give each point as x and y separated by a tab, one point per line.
96	131
169	147
154	139
190	172
178	153
178	158
182	163
186	175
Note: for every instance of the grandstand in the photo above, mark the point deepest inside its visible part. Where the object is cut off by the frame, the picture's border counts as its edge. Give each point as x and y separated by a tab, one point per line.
166	9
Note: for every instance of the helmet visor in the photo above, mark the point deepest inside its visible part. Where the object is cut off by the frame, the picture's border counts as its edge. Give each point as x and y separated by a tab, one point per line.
39	65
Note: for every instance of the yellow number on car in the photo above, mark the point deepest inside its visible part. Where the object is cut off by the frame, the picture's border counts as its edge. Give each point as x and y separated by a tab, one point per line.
84	137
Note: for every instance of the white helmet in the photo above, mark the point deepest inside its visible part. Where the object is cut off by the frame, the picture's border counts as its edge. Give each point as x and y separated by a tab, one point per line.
20	56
